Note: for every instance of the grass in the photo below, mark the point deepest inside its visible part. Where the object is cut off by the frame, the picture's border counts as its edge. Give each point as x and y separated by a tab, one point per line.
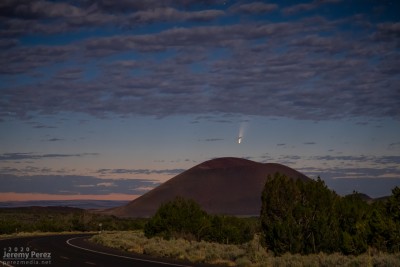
61	219
177	248
38	233
249	254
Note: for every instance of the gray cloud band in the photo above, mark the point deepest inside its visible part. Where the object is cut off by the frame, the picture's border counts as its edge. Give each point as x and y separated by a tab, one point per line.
33	156
306	68
73	185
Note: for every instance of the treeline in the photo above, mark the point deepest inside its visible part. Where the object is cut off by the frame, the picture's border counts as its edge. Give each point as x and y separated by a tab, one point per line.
181	218
306	217
298	217
60	219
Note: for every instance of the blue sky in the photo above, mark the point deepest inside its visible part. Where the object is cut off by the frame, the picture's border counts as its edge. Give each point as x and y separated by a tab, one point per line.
107	99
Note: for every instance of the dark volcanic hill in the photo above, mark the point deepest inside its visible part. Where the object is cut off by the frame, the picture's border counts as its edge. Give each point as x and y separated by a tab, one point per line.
229	186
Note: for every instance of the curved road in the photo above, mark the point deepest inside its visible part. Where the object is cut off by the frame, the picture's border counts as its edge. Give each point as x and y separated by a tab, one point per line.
72	250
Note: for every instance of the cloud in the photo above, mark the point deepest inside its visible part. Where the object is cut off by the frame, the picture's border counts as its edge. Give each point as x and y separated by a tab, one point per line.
34	17
8	43
24	59
254	8
378	160
32	170
171	14
387	159
37	125
373	175
309	143
74	185
374	181
124	6
307	6
388	30
302	68
49	17
372	187
34	156
106	184
140	171
226	118
69	74
392	146
289	160
53	139
39	9
211	139
353	167
299	8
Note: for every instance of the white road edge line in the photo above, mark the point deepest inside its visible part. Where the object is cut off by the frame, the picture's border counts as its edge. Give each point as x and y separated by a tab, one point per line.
125	257
5	264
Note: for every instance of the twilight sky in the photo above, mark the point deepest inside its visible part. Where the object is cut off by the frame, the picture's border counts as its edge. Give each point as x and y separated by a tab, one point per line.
107	99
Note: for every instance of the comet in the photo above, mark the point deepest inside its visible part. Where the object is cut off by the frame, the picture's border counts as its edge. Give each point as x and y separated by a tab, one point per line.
242	129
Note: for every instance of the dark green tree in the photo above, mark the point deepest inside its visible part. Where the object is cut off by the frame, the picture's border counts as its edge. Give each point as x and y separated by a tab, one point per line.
393	204
181	218
230	230
393	212
279	197
178	218
354	224
299	216
380	227
316	213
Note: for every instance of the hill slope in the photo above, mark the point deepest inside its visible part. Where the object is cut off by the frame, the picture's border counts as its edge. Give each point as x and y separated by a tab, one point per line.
221	186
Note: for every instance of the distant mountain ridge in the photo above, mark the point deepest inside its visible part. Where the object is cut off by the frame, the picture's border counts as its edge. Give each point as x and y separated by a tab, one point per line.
81	204
230	186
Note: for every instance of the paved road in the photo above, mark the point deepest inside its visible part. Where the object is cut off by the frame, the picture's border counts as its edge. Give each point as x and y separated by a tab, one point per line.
71	250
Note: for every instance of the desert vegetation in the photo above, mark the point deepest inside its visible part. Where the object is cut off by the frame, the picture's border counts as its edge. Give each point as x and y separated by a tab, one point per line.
186	219
61	219
306	217
302	223
247	254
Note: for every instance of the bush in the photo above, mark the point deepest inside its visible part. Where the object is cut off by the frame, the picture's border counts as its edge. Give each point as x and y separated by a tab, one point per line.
181	218
298	216
249	254
56	219
178	218
306	217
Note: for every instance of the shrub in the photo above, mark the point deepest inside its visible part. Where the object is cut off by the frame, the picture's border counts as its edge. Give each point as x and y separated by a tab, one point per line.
249	254
181	218
178	218
306	217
